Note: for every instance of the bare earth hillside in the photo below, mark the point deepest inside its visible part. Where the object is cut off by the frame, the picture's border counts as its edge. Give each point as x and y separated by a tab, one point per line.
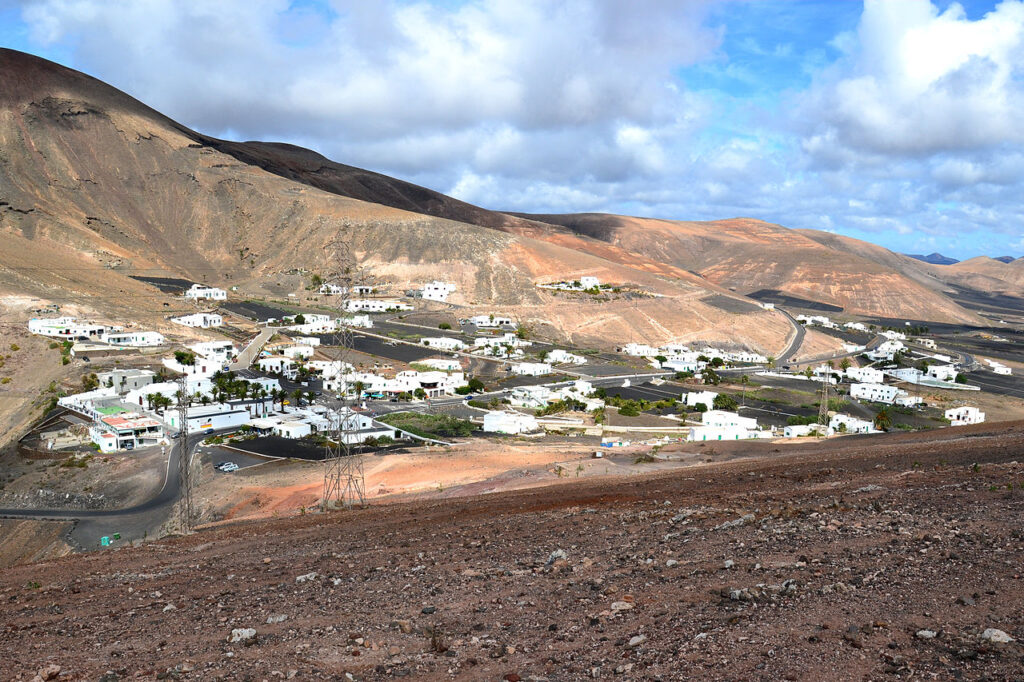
748	255
844	560
95	186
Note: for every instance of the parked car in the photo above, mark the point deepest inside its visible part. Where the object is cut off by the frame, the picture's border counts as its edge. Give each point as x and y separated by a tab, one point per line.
228	467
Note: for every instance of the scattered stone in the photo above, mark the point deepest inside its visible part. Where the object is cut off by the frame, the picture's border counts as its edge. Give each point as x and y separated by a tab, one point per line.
49	672
746	518
428	610
637	641
997	636
556	555
729	563
245	636
170	607
621	606
305	577
926	634
404	626
671	562
276	618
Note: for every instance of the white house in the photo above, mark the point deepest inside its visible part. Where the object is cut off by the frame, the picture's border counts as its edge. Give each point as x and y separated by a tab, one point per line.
1002	369
509	422
135	339
799	430
878	393
767	306
852	424
337	289
639	350
703	433
893	335
856	326
307	340
588	282
375	305
292	429
885	350
126	431
677	365
725	418
942	372
215	351
443	343
694	398
65	327
530	396
200	320
278	364
962	416
123	380
199	291
533	369
907	400
298	351
867	375
559	356
442	364
436	291
490	320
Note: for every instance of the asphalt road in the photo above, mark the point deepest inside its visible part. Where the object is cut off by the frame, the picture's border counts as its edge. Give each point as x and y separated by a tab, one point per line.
136	522
795	343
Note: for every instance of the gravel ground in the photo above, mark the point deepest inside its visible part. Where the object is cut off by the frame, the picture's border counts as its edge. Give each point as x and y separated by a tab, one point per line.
893	557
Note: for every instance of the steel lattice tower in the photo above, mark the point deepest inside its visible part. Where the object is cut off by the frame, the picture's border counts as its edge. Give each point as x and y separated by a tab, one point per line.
344	481
184	457
823	404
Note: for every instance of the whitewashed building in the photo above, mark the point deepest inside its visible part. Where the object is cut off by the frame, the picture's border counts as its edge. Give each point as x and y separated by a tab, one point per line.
963	416
278	364
490	320
878	393
298	351
442	364
942	372
867	375
533	369
436	291
589	282
726	418
375	305
559	356
443	343
199	291
510	422
133	339
65	327
694	398
639	350
200	320
845	423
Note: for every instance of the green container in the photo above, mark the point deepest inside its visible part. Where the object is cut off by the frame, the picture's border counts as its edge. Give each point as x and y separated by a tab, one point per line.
117	536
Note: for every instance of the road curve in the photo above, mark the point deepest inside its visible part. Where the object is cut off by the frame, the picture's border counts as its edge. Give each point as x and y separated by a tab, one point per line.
794	345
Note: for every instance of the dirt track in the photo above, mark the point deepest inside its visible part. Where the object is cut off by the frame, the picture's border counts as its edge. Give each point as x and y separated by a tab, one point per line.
842	553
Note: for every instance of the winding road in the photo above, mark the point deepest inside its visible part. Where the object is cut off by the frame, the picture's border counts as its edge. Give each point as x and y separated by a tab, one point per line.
136	522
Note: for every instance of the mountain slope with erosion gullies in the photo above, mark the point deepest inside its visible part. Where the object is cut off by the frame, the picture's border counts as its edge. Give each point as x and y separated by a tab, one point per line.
96	187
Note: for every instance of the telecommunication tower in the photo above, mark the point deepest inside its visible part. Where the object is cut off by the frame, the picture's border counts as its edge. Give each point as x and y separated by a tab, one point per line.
184	457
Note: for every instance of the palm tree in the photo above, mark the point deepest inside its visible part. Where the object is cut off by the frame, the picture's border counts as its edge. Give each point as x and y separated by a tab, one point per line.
744	380
359	386
883	421
771	362
297	395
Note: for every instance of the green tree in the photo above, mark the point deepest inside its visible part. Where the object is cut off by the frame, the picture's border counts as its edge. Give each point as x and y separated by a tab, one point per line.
90	381
297	395
744	381
711	376
315	281
700	407
444	325
771	362
184	357
845	364
630	408
883	422
475	385
420	393
961	378
661	359
724	401
300	319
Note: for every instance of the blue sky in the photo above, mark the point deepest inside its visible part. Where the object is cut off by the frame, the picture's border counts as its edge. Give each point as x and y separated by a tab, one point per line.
893	121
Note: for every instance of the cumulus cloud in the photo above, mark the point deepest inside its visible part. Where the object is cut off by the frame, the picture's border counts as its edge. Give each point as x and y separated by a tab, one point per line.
906	131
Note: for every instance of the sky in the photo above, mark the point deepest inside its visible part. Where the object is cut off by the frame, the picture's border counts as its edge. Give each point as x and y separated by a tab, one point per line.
894	121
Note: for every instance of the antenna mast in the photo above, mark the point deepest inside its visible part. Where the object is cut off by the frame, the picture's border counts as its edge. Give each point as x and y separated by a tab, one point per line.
344	481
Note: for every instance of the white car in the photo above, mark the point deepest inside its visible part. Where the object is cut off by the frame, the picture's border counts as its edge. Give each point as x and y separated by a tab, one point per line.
227	467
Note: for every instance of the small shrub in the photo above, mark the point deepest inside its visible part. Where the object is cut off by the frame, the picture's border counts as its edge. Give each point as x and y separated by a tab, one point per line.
15	347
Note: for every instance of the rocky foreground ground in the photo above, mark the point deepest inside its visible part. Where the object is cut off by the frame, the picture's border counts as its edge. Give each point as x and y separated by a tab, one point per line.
893	557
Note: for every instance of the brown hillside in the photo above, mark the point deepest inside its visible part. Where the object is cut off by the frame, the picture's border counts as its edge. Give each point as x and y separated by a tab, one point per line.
95	186
746	255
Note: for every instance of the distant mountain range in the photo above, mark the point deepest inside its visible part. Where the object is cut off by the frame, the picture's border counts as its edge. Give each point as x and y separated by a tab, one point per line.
939	259
933	258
